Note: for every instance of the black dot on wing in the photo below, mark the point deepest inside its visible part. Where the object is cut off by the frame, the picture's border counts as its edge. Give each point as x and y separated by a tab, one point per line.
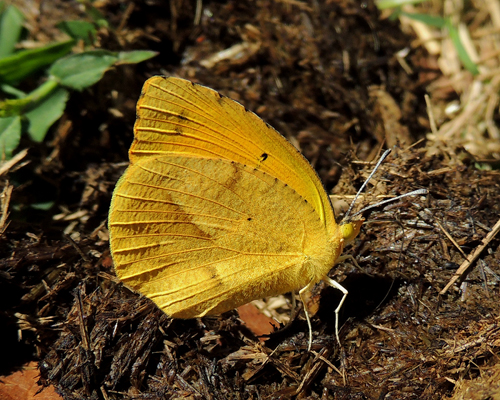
263	157
249	219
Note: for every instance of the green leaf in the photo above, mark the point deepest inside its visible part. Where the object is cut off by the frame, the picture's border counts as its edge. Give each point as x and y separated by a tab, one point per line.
134	57
79	71
441	23
436	22
384	4
11	25
461	51
13	107
21	64
12	91
96	16
10	135
46	112
43	206
79	30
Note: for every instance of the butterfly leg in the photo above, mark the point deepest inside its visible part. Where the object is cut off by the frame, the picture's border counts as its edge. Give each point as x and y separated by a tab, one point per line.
338	286
351	258
348	257
304	302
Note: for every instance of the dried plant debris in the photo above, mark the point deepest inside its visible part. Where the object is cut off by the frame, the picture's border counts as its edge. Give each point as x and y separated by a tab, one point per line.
99	340
463	105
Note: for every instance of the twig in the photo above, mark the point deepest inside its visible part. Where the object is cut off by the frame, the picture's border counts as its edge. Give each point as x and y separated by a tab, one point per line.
4	206
451	239
313	371
81	321
430	114
77	248
466	264
7	165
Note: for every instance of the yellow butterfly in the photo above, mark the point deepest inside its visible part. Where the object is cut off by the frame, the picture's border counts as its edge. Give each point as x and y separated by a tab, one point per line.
217	208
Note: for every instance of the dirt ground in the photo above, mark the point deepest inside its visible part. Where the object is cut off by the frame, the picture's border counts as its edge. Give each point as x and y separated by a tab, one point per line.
342	82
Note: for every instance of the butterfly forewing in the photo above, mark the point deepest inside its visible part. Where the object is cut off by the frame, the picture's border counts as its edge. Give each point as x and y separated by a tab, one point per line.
177	117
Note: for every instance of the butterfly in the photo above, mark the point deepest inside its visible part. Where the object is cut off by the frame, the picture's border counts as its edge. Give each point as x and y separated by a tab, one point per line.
217	209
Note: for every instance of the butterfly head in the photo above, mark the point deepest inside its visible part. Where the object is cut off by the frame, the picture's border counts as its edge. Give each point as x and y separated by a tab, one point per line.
350	229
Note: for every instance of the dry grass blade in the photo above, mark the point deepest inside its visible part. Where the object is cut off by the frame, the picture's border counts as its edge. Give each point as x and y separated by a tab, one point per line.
7	165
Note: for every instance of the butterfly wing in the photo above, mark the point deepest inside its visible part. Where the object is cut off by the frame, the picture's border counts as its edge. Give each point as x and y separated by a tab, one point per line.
203	235
177	117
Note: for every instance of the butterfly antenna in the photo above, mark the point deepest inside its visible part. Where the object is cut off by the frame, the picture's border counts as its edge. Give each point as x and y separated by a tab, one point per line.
414	193
382	158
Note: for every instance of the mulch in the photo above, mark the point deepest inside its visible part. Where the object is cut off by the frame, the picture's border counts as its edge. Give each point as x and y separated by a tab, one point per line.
328	76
